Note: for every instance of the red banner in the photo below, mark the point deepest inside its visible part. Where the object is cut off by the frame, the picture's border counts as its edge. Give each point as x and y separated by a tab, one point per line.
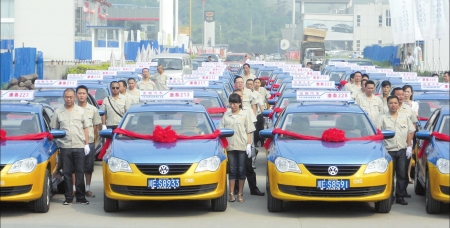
36	136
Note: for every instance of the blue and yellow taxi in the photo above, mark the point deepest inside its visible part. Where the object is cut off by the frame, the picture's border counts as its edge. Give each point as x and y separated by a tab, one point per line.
432	176
27	161
189	169
318	170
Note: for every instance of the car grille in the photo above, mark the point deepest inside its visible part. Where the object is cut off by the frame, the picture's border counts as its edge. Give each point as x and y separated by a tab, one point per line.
322	170
445	189
312	191
11	191
153	169
144	191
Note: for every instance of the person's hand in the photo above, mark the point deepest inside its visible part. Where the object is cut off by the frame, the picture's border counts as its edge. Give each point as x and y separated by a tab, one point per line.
103	127
86	150
408	152
249	150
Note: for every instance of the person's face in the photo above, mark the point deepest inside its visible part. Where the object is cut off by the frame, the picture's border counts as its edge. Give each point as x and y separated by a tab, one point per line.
82	95
257	84
246	69
122	88
446	77
358	77
131	84
393	105
352	80
239	83
145	73
369	89
363	86
69	98
308	65
365	77
249	85
210	58
400	95
407	93
386	90
160	69
234	106
115	88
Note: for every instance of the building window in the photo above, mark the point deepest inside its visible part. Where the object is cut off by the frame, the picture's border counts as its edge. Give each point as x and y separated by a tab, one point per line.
358	45
358	20
380	41
388	18
380	20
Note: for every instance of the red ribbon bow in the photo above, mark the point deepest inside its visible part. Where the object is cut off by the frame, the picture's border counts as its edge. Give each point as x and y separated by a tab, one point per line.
36	136
216	110
277	94
275	86
162	135
437	135
276	110
329	135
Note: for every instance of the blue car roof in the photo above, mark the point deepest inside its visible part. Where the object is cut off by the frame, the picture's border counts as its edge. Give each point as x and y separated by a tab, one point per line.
49	93
432	95
20	107
169	106
326	107
445	110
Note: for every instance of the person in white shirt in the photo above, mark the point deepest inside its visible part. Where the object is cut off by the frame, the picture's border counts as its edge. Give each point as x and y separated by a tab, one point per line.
409	61
132	90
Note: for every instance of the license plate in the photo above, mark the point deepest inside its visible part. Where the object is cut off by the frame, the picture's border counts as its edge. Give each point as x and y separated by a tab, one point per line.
334	185
163	183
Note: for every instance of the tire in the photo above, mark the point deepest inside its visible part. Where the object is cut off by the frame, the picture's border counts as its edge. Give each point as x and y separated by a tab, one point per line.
110	205
383	206
42	205
273	205
220	204
432	206
418	188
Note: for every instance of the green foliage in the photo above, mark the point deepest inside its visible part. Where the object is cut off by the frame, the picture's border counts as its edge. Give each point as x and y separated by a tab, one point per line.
82	68
4	85
384	64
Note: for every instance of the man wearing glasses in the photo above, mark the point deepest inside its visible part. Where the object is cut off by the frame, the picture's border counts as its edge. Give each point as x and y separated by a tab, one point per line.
146	84
115	107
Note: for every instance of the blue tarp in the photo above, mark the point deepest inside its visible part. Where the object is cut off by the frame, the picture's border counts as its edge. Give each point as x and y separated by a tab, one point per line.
25	62
382	53
6	68
102	43
5	44
130	50
83	50
40	65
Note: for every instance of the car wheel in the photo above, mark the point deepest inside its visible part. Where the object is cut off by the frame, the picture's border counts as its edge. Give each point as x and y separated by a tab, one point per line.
110	205
273	205
42	205
418	188
383	206
220	204
432	206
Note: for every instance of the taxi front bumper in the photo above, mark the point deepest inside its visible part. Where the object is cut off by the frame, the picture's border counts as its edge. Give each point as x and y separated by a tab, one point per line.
193	186
439	184
22	187
291	186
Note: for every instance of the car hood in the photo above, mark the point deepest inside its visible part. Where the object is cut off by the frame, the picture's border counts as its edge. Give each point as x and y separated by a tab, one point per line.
443	148
182	151
12	151
234	63
174	74
318	152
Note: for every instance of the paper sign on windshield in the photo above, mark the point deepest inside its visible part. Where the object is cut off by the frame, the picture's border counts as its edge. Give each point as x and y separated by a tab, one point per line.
55	84
13	95
96	77
104	72
434	86
187	83
324	96
166	95
313	84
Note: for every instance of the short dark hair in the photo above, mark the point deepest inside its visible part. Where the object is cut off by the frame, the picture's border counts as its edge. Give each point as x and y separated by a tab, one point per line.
309	63
396	89
245	65
370	82
358	72
237	78
385	83
68	89
447	72
110	84
248	80
352	75
235	98
131	79
124	83
391	97
365	75
434	74
81	87
237	90
256	79
410	87
145	69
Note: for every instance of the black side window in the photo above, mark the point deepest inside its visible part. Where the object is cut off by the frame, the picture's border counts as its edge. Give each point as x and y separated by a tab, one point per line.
46	122
432	121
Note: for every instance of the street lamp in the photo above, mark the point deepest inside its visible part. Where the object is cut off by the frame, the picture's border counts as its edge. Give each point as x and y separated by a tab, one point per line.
220	35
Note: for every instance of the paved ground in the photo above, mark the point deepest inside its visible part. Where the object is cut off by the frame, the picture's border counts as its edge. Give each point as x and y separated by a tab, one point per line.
252	213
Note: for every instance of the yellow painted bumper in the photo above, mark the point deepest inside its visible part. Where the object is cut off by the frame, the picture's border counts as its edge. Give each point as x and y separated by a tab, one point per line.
35	179
306	179
437	179
190	178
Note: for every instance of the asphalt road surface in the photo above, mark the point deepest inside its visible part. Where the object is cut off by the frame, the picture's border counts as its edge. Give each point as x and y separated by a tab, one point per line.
252	213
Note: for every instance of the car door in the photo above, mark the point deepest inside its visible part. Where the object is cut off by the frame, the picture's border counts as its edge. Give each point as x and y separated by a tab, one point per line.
429	126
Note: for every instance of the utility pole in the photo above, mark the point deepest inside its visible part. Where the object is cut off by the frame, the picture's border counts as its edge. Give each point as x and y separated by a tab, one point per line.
293	21
190	26
203	24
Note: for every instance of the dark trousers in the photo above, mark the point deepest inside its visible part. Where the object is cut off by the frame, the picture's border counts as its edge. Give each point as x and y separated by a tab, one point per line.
251	175
399	160
259	126
73	162
236	160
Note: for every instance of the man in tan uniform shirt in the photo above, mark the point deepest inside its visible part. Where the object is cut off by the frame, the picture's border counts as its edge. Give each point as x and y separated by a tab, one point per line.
132	90
160	79
370	103
115	107
146	84
248	99
123	90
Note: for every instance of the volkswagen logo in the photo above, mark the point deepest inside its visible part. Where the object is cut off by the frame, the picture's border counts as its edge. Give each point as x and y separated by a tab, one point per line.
332	170
164	169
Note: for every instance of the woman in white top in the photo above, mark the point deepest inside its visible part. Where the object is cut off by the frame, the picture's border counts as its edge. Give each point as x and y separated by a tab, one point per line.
408	99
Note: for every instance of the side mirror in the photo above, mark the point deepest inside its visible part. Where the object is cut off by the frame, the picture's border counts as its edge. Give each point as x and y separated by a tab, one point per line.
388	134
101	112
266	133
266	113
272	102
226	132
58	133
107	133
424	134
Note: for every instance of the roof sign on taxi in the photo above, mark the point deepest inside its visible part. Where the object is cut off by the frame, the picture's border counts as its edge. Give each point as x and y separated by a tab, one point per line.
103	72
415	79
187	83
435	86
313	84
55	84
122	69
166	95
311	77
324	96
201	77
15	95
97	77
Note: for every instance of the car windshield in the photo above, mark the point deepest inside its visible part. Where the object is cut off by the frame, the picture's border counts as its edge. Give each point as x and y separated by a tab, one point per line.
314	124
444	128
19	123
169	63
336	75
214	57
361	62
207	102
265	72
184	123
287	101
427	107
54	101
235	58
98	93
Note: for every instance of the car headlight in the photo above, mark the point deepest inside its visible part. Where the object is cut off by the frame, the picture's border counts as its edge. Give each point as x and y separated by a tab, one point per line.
208	164
26	165
377	166
443	165
285	165
118	165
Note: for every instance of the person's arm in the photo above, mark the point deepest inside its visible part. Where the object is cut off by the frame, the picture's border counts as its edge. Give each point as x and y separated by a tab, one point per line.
249	138
254	108
86	135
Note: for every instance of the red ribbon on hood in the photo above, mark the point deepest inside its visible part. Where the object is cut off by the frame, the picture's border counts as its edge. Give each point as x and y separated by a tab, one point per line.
329	135
36	136
437	135
276	110
277	94
216	110
162	135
